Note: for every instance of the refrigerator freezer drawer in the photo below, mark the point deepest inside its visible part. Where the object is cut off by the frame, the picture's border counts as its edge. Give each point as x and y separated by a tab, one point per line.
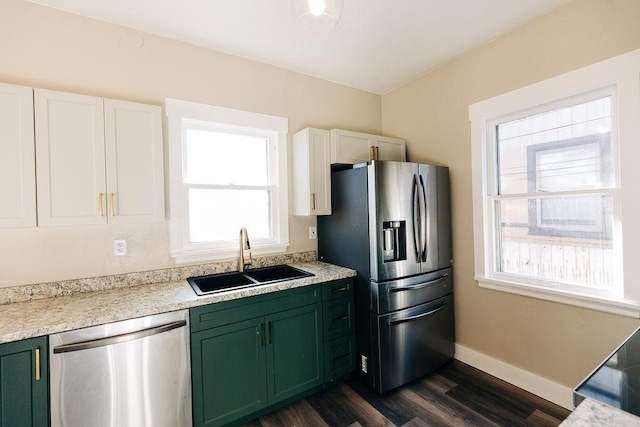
404	293
413	342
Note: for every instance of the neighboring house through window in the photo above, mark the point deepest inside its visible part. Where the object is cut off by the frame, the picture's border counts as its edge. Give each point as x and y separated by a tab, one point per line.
228	170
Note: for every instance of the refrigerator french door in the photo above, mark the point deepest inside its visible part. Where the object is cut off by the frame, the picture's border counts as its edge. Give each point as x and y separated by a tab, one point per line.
391	223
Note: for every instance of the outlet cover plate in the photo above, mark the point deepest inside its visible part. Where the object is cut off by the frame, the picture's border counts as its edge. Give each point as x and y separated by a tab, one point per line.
119	247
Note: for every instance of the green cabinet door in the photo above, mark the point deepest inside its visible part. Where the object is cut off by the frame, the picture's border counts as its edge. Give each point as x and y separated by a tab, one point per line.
24	391
294	351
229	378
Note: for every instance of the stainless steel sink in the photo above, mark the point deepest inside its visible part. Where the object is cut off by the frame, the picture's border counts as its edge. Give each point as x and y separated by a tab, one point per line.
212	283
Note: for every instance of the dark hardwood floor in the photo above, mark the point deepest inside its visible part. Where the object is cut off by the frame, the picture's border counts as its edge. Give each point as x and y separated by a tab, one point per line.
455	395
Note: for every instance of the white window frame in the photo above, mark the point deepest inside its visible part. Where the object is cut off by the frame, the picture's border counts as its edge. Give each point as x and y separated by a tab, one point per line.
182	114
622	73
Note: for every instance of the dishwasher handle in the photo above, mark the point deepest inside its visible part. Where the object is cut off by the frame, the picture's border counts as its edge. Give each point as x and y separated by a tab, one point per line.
101	342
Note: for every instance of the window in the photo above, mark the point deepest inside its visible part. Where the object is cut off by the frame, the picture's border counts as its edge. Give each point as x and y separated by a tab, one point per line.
553	195
228	170
549	166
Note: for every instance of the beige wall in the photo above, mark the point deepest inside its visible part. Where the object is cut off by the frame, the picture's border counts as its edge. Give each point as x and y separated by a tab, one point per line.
559	342
46	48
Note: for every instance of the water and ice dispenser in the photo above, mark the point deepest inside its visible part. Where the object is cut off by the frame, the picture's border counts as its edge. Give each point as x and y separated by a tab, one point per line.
394	241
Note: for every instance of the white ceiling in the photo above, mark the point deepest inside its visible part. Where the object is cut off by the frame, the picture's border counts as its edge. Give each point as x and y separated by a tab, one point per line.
378	45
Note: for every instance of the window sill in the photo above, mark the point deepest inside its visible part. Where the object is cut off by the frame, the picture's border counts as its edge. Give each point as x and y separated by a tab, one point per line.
621	308
205	255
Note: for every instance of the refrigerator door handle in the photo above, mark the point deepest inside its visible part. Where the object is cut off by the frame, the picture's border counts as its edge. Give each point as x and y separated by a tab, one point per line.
416	221
419	286
424	229
419	316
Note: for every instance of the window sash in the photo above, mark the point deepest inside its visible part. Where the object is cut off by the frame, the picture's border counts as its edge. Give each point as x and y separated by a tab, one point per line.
493	196
184	114
581	264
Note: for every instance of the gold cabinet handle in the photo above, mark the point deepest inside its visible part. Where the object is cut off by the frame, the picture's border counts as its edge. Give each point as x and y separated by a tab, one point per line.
37	364
111	205
371	153
313	201
100	205
375	153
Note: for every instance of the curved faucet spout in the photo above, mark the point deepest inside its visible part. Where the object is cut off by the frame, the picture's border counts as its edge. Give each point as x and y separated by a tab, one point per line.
244	245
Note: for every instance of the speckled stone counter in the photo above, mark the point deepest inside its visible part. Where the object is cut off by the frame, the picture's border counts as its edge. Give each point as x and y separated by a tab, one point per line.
80	309
592	413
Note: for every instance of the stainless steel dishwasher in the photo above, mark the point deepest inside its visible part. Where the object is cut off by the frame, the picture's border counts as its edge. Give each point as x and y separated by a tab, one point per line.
129	373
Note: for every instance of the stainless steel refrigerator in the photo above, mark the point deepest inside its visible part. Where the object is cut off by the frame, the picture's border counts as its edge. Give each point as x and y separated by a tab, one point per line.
391	222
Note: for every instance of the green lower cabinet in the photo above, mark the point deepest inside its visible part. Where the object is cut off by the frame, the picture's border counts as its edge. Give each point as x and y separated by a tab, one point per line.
24	389
243	366
252	354
294	353
229	366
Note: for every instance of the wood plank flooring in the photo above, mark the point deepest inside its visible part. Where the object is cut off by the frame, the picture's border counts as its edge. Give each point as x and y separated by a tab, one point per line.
454	395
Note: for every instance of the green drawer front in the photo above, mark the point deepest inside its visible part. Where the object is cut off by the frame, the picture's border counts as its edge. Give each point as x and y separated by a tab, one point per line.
227	312
337	289
338	318
339	357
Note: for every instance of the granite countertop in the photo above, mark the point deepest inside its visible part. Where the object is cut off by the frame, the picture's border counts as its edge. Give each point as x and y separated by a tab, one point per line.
591	413
37	317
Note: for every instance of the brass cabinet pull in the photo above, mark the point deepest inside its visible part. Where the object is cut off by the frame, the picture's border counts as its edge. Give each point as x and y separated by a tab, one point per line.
262	334
100	206
270	332
341	289
111	205
344	317
313	201
372	155
37	364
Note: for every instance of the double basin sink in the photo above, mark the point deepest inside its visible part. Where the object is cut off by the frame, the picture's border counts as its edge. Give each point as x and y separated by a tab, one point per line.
212	283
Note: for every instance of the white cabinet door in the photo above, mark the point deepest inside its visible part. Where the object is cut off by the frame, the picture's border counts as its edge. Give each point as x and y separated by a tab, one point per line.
389	148
311	172
355	147
349	147
17	157
135	183
70	158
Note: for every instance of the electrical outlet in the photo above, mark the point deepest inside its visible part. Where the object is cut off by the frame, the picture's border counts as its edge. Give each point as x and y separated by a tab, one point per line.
119	247
313	233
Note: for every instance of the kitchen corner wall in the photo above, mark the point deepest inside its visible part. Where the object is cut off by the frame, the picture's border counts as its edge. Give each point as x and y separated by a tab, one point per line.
554	341
47	48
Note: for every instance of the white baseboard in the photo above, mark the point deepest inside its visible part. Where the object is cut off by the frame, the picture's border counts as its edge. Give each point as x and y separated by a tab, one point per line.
549	390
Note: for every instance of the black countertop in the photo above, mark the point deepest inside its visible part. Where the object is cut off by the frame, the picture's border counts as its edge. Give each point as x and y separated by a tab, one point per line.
616	382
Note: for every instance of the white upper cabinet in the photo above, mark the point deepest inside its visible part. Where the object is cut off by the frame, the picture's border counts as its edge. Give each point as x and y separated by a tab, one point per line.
135	182
70	158
314	150
349	147
17	162
356	147
386	148
98	161
311	172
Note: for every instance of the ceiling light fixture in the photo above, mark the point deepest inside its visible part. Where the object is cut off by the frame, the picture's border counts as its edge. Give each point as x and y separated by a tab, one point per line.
316	16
